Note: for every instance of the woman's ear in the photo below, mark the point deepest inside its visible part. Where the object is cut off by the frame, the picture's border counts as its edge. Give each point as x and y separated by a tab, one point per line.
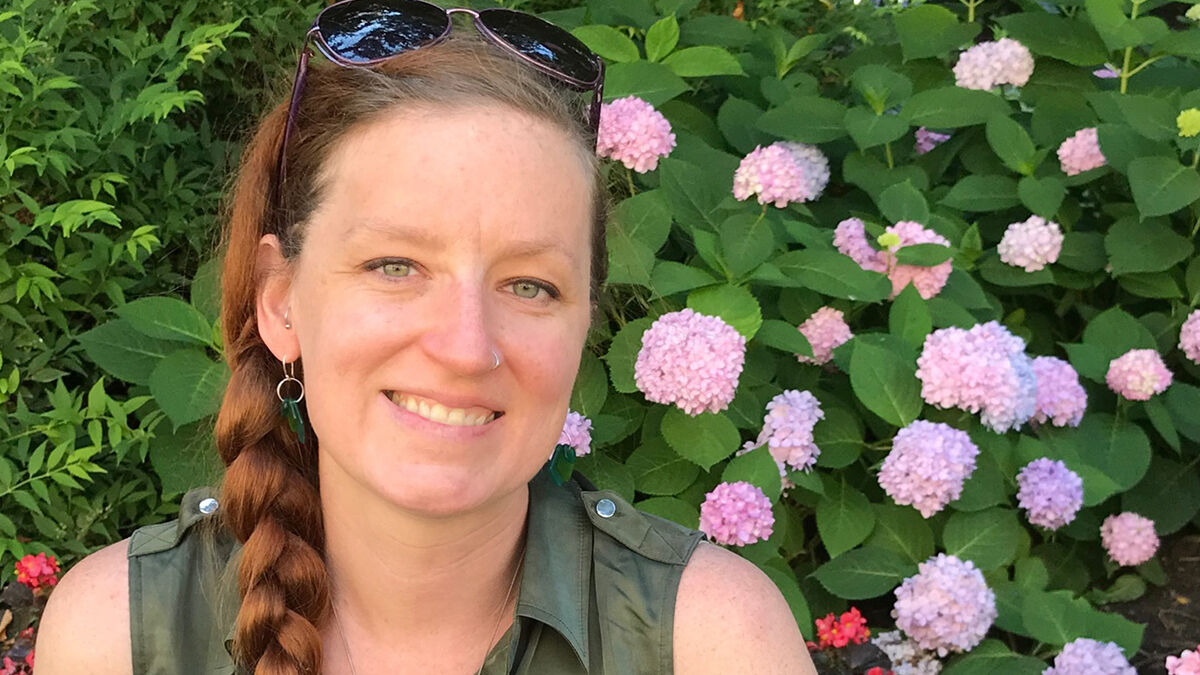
274	301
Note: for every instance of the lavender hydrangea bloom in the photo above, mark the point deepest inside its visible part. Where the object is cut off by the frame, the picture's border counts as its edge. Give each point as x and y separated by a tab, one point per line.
634	133
983	369
988	64
782	173
1085	656
928	140
736	514
788	428
1189	337
1050	493
1129	538
927	466
577	433
946	607
1061	399
691	360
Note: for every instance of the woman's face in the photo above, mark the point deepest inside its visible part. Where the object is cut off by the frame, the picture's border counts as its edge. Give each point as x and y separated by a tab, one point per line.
442	235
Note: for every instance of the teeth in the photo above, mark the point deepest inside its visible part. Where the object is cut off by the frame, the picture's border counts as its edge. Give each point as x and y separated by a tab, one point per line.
437	412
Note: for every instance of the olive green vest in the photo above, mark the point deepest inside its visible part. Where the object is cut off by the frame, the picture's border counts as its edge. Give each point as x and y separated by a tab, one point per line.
597	594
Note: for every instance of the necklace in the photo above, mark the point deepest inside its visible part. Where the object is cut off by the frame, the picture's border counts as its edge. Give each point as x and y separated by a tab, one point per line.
488	646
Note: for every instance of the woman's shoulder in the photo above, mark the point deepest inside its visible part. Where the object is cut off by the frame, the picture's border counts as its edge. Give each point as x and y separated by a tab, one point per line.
85	626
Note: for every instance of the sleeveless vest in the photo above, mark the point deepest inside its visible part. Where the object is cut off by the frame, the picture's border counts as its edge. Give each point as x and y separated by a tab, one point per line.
596	596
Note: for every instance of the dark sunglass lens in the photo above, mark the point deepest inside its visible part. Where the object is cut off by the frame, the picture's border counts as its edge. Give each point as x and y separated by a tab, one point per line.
369	30
542	41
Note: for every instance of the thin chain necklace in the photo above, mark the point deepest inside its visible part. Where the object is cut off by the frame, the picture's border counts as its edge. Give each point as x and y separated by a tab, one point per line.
499	618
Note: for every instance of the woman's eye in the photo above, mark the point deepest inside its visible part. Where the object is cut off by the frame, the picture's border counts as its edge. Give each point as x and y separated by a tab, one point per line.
526	289
396	269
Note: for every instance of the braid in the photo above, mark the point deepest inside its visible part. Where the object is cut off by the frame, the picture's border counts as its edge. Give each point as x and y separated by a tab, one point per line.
270	497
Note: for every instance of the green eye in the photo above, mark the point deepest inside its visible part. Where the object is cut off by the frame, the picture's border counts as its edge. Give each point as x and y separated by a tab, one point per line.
526	289
402	269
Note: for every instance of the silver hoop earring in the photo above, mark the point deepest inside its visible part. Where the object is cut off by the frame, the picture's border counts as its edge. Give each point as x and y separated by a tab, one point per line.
495	359
286	323
289	376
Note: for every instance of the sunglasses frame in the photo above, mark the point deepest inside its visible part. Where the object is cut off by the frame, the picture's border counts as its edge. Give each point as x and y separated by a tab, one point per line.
314	37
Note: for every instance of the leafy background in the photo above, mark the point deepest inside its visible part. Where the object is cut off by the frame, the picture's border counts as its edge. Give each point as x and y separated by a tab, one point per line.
123	120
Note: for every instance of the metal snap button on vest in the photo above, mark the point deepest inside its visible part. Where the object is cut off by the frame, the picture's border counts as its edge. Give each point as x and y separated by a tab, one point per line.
208	506
605	508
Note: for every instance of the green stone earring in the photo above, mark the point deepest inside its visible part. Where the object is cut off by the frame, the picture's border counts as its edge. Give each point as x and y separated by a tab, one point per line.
290	406
562	463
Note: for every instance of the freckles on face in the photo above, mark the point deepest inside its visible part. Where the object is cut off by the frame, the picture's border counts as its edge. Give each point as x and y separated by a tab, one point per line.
443	237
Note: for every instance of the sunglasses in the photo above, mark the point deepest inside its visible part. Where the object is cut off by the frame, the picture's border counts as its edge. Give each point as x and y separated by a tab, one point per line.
362	33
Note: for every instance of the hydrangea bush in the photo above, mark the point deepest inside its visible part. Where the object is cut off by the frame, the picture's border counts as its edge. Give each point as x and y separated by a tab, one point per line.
903	305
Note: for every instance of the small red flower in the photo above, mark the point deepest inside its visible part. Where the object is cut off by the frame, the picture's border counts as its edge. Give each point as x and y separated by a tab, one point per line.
8	667
839	632
877	670
37	571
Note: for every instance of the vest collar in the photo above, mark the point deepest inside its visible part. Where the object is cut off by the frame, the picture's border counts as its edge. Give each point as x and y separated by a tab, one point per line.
556	580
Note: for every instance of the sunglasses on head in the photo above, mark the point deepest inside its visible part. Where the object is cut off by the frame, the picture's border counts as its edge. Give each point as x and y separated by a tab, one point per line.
361	33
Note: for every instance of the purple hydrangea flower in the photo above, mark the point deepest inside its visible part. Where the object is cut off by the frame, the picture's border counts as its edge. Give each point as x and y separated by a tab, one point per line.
1085	656
1189	337
1129	538
1031	244
1138	374
928	140
634	133
946	607
782	173
788	429
989	64
577	433
927	466
1081	152
692	360
825	330
982	370
1061	399
1050	493
736	514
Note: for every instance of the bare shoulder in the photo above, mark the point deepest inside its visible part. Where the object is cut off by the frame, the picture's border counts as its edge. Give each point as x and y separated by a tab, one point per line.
730	617
85	626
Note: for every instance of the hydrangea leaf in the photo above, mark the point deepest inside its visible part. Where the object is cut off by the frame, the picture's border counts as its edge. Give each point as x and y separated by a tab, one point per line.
864	573
902	530
988	538
886	385
622	353
659	470
929	30
733	304
756	467
651	82
1162	185
704	439
673	509
844	517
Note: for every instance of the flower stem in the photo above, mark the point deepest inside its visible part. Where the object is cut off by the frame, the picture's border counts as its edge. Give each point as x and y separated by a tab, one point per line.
887	148
1125	74
629	179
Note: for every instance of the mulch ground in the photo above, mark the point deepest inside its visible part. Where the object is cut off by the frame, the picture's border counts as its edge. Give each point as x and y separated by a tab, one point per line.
1171	612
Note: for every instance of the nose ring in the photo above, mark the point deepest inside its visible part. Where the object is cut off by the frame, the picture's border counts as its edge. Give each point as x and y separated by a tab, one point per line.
495	359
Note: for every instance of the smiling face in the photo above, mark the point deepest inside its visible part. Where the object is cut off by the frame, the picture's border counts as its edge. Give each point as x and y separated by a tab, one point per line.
441	236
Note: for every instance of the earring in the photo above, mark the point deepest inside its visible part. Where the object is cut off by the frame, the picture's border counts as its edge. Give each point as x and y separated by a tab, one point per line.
286	323
495	359
290	406
562	463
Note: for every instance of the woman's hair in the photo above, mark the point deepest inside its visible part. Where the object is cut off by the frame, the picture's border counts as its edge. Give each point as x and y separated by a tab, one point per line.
270	494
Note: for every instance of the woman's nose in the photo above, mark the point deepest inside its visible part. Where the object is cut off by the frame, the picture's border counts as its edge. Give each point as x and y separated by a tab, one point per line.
460	334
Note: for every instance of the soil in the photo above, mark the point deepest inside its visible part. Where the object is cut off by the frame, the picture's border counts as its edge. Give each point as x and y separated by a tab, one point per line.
1171	612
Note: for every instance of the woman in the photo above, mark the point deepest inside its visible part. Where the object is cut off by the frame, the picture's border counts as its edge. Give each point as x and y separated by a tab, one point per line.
413	254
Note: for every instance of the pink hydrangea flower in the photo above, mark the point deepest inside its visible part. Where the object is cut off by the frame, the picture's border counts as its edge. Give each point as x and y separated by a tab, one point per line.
1138	374
691	360
1189	337
736	514
788	429
781	173
1129	538
851	239
1061	399
1108	72
825	330
1187	663
1050	493
634	133
1084	656
989	64
946	607
1081	152
983	370
1031	244
927	466
577	433
928	140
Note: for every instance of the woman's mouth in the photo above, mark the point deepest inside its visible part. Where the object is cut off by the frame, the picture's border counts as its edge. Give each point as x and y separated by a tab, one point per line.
436	412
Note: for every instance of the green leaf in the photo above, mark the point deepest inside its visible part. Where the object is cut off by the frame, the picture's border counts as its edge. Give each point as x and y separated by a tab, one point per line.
929	30
988	538
982	193
993	657
870	130
807	119
1169	495
703	61
885	383
167	318
844	517
1148	246
672	509
1066	39
689	192
1109	454
952	107
205	293
1083	251
1160	419
1116	29
629	260
1115	331
188	386
1012	144
671	277
1120	145
607	474
652	82
608	42
902	530
756	467
1042	196
746	242
659	470
985	487
662	37
924	255
713	29
622	353
909	317
880	86
591	386
1183	400
864	573
1055	618
783	336
1161	186
833	274
735	305
737	119
704	439
186	457
645	217
1150	116
840	437
123	352
902	201
1151	285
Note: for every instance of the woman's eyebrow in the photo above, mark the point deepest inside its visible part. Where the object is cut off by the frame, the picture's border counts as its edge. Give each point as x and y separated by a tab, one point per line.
365	229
